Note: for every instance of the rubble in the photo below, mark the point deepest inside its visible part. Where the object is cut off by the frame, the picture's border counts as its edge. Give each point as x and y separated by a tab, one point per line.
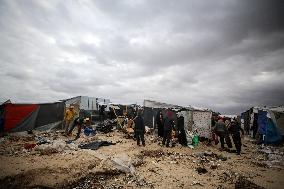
125	165
106	126
271	157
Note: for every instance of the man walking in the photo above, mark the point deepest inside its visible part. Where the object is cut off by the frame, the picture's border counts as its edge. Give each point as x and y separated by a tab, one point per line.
68	118
139	129
235	130
221	130
168	127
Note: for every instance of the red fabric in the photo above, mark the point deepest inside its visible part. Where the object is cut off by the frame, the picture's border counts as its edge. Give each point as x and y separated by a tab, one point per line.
169	114
16	113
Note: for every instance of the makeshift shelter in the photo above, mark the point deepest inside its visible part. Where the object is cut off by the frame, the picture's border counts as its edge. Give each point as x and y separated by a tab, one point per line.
202	123
87	103
23	117
151	109
269	123
198	120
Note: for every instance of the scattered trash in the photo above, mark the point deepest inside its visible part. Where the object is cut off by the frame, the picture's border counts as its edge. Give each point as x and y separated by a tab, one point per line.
106	126
54	147
196	183
272	157
206	154
88	131
95	145
195	140
41	140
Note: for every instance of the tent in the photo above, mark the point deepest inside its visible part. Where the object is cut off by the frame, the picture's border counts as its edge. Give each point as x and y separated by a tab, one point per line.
270	123
151	109
194	119
23	117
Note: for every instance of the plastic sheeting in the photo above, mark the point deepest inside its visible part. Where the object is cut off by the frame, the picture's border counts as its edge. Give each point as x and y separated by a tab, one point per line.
23	117
273	134
267	127
50	113
262	122
15	114
202	123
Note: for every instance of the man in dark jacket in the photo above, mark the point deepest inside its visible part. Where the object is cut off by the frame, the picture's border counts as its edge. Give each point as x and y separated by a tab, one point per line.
139	129
78	122
235	130
168	127
180	129
221	130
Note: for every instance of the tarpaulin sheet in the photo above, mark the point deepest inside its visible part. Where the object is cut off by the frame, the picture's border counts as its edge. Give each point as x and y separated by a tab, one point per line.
15	114
95	145
262	122
273	134
50	113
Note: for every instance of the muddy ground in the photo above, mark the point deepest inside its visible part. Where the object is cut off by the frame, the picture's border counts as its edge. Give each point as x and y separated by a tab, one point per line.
126	165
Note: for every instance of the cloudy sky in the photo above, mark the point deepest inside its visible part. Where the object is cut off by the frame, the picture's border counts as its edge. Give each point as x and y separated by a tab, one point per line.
223	54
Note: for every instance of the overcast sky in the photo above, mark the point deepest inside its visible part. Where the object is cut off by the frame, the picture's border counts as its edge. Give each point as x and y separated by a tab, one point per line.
223	54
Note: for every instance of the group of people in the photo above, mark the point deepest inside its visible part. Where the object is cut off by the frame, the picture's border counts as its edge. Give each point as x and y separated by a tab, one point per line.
165	131
166	126
223	129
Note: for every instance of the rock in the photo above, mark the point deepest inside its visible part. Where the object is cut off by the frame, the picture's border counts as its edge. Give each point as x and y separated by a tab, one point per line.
213	166
201	170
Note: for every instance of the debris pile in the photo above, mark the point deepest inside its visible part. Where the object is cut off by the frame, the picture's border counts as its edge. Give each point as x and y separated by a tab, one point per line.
271	157
106	126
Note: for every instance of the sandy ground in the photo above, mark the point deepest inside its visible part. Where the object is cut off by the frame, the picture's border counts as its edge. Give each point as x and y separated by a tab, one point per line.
154	166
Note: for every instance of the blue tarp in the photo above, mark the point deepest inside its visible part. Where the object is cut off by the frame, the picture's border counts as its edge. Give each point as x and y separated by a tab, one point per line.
262	122
273	134
267	127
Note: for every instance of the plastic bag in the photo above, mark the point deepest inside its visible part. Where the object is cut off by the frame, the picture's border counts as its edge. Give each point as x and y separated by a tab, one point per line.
195	140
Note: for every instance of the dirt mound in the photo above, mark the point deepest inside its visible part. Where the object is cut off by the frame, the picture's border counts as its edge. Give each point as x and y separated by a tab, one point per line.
26	179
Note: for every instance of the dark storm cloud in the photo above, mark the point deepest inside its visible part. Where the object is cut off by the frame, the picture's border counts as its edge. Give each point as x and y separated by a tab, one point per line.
226	55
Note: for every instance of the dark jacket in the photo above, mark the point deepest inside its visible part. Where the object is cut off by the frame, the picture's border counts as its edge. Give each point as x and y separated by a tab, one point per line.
139	124
220	127
235	129
79	121
180	123
168	124
159	120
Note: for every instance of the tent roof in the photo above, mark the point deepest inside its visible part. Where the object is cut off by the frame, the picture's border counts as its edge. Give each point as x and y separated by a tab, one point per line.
277	109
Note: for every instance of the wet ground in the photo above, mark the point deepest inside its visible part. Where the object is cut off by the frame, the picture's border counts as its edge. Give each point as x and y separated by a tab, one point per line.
126	165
